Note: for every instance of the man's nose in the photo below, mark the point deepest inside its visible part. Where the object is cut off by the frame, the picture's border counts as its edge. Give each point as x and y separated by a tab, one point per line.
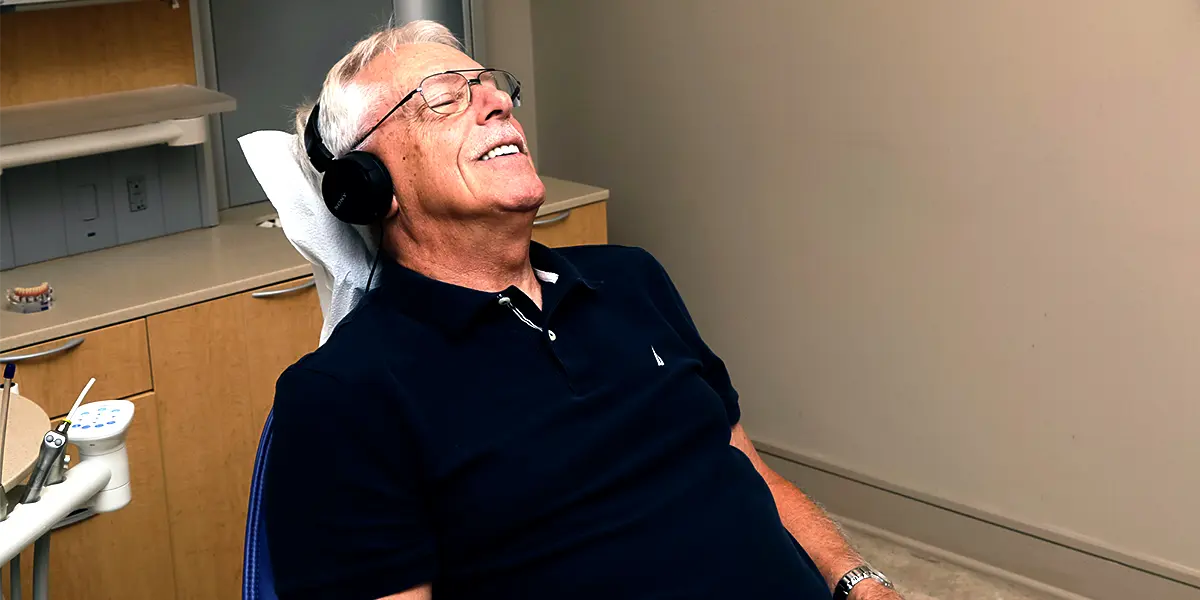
492	103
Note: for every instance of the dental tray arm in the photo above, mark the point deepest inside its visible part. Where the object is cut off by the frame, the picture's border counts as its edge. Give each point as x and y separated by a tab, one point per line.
28	522
99	482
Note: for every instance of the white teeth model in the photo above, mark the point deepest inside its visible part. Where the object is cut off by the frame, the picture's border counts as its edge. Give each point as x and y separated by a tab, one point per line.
504	150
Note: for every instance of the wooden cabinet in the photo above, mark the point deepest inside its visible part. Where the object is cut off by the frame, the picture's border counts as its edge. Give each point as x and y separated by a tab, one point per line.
574	227
215	366
116	356
88	50
124	554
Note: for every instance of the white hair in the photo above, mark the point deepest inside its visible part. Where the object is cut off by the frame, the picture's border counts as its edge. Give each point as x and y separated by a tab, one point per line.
345	104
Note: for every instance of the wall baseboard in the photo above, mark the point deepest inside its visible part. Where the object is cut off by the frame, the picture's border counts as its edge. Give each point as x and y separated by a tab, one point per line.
1061	567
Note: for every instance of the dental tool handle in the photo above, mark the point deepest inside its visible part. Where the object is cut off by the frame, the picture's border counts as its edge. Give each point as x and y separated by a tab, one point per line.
71	413
53	445
10	370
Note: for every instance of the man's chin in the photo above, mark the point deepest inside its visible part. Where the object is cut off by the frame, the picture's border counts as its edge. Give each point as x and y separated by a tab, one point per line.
522	198
510	186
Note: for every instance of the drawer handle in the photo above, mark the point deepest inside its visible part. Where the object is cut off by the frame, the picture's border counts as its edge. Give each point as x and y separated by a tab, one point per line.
562	216
70	345
285	291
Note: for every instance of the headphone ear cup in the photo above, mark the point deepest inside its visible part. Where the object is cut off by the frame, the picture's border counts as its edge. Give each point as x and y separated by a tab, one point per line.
357	188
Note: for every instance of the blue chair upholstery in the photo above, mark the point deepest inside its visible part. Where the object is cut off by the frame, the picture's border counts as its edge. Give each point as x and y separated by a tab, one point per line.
258	581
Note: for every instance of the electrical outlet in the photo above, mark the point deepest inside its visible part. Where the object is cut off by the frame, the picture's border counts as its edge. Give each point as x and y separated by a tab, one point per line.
137	196
136	186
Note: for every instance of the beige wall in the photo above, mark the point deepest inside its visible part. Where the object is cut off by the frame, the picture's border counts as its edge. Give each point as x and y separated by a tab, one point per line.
954	246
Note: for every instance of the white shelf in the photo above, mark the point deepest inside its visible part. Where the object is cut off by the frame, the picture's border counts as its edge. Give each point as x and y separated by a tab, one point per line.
48	131
15	5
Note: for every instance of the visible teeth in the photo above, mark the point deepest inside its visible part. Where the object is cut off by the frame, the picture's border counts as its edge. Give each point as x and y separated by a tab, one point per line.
504	150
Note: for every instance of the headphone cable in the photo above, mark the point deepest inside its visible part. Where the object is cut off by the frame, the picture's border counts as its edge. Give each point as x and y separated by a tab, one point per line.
375	263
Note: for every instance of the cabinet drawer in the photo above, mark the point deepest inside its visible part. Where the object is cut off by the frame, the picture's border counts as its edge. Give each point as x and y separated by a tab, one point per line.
573	227
117	356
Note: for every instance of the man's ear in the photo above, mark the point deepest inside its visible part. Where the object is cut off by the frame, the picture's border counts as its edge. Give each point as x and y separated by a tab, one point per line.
394	209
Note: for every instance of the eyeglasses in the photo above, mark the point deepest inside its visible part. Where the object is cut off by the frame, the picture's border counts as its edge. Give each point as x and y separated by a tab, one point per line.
449	92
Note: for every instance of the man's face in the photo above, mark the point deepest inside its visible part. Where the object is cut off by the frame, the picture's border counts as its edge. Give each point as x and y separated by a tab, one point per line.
434	159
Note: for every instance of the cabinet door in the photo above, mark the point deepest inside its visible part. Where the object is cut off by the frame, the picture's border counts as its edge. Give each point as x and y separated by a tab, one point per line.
125	554
573	227
215	366
116	356
286	320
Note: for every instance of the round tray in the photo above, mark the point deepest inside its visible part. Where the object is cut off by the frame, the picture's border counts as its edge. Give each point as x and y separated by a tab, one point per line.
27	423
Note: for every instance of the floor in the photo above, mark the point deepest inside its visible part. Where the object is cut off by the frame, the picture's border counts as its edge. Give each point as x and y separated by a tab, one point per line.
923	577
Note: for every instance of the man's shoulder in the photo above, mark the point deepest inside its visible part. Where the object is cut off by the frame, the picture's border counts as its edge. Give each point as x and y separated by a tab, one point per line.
351	362
342	354
611	262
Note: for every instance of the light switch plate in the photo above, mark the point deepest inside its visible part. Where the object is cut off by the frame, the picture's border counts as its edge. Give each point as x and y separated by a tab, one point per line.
86	194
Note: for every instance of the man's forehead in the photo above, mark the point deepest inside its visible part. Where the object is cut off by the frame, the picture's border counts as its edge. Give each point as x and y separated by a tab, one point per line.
410	63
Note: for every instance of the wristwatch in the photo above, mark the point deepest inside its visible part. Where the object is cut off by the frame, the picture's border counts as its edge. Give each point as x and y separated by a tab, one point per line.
857	575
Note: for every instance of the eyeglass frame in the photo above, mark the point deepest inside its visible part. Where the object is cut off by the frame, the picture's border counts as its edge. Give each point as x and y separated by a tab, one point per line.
515	94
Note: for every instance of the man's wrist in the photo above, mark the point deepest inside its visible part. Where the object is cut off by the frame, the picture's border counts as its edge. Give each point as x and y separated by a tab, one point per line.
861	577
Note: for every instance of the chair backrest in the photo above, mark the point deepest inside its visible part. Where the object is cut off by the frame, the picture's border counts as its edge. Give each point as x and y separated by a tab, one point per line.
258	581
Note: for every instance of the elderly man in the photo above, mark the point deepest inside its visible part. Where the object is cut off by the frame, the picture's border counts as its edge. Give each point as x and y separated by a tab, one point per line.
497	419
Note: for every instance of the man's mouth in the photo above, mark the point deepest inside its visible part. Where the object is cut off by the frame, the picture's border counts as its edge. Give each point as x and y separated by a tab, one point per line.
501	150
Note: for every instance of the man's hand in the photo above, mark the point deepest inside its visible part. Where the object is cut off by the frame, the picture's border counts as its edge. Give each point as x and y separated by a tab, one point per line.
873	590
425	592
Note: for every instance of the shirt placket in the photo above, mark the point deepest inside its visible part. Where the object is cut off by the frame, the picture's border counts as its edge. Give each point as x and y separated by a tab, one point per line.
524	310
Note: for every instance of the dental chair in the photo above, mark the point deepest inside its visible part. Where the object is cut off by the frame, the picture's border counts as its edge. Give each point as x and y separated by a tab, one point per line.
258	580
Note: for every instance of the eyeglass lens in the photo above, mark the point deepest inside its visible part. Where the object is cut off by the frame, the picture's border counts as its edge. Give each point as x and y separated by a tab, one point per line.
449	93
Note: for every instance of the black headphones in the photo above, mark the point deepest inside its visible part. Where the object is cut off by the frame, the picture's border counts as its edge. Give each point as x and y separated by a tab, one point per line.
357	187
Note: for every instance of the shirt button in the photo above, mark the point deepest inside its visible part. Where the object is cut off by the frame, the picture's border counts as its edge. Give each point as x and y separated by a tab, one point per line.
551	334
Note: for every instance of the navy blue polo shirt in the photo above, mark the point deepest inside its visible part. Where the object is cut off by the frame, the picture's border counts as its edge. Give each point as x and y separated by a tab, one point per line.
471	440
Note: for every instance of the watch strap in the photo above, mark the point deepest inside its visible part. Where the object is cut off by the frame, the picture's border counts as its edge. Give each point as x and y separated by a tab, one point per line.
856	576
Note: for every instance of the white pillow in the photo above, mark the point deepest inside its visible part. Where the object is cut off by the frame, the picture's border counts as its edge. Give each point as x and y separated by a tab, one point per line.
341	253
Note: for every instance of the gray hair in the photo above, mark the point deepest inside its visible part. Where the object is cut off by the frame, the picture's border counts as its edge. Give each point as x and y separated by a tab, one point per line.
346	104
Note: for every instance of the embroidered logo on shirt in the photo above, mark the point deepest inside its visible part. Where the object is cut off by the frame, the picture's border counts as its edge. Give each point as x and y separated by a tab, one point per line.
658	359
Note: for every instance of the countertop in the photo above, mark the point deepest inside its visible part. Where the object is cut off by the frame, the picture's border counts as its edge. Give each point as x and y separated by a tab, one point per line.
27	422
118	284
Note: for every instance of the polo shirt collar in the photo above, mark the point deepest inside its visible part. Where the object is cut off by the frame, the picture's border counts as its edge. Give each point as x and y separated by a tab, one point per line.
453	308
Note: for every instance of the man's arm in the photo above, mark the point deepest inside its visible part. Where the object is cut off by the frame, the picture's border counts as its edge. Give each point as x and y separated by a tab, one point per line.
424	592
819	536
